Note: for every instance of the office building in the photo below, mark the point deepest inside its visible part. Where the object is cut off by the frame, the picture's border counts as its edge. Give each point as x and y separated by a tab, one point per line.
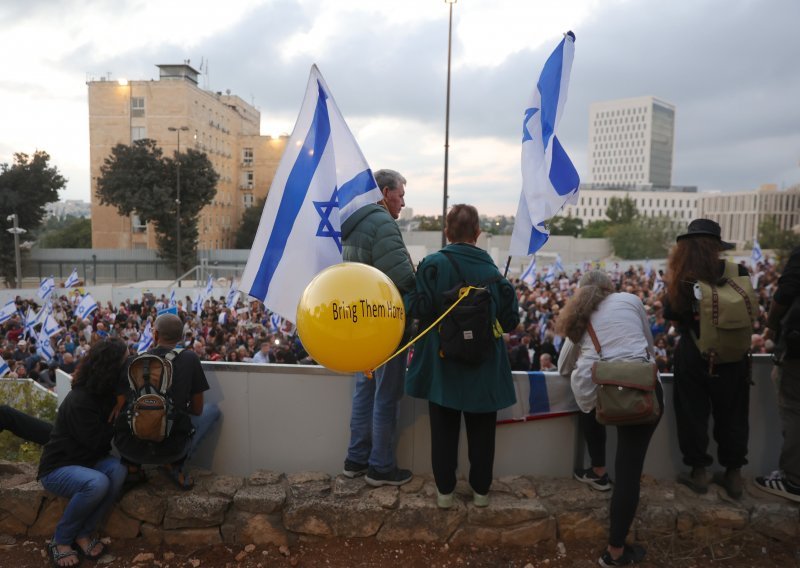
173	109
631	142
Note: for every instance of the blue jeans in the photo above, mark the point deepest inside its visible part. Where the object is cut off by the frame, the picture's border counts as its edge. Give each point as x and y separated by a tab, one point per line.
92	492
373	422
202	425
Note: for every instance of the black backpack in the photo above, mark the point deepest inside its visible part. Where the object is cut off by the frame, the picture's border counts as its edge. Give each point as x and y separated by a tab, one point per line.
467	333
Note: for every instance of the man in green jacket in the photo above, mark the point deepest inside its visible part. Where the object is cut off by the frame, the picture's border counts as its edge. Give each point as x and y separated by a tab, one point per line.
371	236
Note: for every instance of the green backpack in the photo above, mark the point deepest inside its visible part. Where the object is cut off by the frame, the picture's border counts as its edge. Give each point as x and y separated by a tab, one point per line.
727	310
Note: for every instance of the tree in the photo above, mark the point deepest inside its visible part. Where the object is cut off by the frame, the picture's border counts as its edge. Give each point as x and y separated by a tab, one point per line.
596	229
570	226
649	237
71	232
247	229
430	223
139	179
26	186
621	211
771	236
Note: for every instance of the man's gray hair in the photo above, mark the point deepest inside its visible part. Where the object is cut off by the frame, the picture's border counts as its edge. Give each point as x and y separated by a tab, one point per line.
390	179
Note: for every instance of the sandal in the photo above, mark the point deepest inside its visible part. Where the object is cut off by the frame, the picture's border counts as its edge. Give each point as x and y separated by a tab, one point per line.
178	478
56	556
86	552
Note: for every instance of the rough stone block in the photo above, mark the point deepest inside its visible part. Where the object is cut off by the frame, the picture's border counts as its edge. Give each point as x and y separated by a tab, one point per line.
245	528
310	489
260	498
120	525
386	497
45	524
23	501
418	518
776	520
194	511
264	477
527	534
192	537
582	525
334	517
152	534
144	504
307	476
222	485
345	487
506	510
9	524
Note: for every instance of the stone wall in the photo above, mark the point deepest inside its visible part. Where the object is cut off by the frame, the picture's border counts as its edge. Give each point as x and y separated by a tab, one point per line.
273	508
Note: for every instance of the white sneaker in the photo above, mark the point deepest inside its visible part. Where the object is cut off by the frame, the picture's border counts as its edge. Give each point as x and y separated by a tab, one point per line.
445	501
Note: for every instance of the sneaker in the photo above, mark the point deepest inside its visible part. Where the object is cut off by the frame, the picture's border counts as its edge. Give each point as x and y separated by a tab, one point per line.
480	500
697	480
777	484
445	501
354	469
395	477
630	555
731	481
590	478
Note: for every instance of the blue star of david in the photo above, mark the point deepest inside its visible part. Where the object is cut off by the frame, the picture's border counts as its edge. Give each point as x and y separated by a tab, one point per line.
325	208
529	112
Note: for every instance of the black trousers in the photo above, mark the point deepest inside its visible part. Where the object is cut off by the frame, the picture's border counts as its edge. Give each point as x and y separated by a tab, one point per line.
725	396
445	428
632	443
24	426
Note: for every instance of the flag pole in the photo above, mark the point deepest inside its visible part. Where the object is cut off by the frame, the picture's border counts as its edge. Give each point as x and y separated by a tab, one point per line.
508	262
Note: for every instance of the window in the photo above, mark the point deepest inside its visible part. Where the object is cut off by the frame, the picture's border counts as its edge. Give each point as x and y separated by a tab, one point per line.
247	156
248	180
138	133
137	226
137	106
247	200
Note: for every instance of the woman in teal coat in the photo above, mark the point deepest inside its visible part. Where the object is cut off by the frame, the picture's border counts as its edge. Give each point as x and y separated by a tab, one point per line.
452	387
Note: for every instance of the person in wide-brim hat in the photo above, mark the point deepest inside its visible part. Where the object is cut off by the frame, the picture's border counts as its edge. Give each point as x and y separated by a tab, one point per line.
706	228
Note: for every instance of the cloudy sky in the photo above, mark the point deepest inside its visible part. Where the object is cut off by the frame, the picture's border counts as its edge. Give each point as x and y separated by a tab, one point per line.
731	68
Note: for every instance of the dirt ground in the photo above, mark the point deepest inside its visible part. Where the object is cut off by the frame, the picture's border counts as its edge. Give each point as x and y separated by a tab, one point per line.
745	549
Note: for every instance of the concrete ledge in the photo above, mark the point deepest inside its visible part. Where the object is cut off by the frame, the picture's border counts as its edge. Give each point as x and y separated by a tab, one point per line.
272	508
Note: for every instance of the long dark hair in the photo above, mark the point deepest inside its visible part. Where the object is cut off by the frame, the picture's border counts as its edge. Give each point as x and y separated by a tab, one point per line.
690	260
100	368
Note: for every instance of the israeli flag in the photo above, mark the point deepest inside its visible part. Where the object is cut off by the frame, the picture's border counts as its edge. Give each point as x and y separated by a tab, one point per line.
587	266
30	321
197	305
275	321
86	306
4	368
73	279
756	256
233	295
658	286
46	287
209	288
551	274
559	266
8	311
146	340
529	276
648	268
44	348
173	302
322	179
50	327
549	180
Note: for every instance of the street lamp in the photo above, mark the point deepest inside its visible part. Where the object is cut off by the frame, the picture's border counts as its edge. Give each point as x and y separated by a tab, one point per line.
16	231
178	198
447	119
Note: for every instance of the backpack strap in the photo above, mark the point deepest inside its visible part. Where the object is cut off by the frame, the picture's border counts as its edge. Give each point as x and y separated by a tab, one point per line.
173	354
593	335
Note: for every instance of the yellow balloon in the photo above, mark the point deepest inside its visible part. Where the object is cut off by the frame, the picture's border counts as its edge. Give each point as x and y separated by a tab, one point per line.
350	317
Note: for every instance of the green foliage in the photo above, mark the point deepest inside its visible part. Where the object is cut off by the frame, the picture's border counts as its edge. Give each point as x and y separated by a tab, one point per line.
570	226
596	229
30	400
621	211
26	186
246	233
643	238
430	223
139	179
71	232
771	236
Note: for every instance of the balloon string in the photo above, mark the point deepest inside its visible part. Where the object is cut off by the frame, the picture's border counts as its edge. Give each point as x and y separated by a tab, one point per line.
461	295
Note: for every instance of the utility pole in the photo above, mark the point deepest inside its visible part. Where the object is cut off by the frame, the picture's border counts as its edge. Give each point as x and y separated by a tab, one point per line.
16	231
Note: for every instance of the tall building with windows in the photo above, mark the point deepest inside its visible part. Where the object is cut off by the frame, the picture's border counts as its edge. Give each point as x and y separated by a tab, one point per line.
631	142
174	110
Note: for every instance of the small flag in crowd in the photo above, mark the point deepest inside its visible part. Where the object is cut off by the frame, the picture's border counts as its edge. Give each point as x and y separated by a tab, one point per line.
559	267
209	288
30	321
173	302
197	305
551	274
587	266
529	276
46	287
322	179
658	287
8	311
86	306
44	348
146	340
756	256
275	321
648	268
50	327
549	180
233	295
4	368
73	279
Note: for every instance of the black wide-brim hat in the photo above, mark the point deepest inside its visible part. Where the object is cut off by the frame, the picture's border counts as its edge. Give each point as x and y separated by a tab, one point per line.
706	228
